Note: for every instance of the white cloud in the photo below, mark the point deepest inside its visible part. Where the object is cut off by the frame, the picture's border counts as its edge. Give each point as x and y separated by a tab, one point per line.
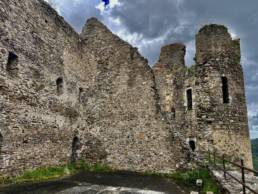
254	134
233	33
113	3
190	52
101	6
149	24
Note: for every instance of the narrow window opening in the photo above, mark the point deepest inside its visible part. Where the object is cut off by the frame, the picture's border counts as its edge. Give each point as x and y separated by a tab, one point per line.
1	145
192	145
12	64
173	112
225	90
59	86
75	147
80	94
189	99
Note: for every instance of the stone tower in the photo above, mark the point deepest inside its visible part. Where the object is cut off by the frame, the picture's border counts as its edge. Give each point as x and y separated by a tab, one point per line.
206	102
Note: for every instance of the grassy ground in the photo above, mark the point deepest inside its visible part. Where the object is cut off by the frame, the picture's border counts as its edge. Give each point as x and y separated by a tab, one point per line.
185	178
48	173
189	177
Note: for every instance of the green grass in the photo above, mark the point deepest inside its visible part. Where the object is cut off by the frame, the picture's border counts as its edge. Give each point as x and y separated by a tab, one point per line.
189	177
48	173
185	178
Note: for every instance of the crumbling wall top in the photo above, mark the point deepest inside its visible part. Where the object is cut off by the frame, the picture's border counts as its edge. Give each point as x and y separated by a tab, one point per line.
59	20
172	55
214	29
214	41
93	25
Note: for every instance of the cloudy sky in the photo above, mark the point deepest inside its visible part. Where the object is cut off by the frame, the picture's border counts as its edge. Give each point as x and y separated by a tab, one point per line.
149	24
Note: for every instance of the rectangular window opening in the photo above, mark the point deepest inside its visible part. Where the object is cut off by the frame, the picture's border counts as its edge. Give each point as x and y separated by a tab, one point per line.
189	99
80	94
225	90
59	86
173	112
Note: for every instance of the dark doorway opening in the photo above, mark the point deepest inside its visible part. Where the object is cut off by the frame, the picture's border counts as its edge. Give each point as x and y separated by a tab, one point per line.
189	99
192	145
75	147
225	90
59	86
12	64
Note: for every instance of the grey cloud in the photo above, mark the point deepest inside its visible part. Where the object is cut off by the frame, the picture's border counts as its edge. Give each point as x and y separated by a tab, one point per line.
149	18
77	12
178	21
153	18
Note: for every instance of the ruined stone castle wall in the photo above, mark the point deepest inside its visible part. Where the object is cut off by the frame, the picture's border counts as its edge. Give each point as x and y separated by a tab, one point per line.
213	122
66	96
218	58
37	121
124	105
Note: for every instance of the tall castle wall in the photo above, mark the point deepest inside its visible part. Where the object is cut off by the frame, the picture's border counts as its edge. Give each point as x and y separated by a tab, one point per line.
65	96
37	123
217	117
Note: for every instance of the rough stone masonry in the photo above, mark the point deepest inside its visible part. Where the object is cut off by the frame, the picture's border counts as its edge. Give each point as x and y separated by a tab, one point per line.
66	96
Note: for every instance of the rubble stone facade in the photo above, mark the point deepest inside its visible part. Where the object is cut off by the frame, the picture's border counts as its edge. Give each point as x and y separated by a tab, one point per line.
206	102
66	96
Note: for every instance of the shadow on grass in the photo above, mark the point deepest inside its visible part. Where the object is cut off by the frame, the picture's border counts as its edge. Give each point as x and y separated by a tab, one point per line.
76	172
51	173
